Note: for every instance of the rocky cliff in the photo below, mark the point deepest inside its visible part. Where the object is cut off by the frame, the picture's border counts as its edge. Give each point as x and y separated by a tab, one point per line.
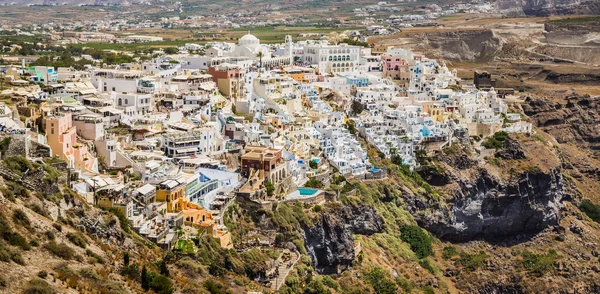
330	241
549	7
573	119
463	45
491	209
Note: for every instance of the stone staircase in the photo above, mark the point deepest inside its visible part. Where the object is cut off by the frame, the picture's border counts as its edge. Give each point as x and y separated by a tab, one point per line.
283	268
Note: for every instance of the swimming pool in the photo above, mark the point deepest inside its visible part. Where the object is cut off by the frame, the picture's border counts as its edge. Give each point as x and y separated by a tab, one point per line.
303	193
307	191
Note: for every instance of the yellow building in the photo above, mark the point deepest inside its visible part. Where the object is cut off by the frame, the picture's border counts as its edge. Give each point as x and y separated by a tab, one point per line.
172	192
296	74
437	113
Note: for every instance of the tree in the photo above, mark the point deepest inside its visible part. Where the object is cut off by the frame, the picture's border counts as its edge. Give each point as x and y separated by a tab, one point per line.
145	279
351	127
270	188
314	183
163	268
313	164
418	239
379	279
357	107
161	284
126	259
260	56
171	50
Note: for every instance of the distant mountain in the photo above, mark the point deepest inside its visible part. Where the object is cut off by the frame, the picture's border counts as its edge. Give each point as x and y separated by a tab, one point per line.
549	7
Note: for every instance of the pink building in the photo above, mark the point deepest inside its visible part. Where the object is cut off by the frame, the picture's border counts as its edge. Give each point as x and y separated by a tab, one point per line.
396	68
62	138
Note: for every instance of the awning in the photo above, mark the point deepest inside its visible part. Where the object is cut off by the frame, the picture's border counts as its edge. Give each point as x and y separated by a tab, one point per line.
111	110
186	150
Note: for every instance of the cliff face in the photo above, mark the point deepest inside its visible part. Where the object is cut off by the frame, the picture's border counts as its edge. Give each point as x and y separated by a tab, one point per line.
489	209
330	241
576	119
463	45
550	7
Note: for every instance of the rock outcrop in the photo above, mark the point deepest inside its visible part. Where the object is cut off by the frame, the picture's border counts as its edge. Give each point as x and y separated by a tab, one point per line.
575	120
330	241
462	45
511	149
492	210
549	7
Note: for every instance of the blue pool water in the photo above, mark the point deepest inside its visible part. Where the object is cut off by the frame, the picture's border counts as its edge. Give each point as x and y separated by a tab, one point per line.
307	191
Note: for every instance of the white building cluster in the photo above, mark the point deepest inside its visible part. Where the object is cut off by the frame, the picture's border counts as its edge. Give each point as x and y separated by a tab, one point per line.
308	103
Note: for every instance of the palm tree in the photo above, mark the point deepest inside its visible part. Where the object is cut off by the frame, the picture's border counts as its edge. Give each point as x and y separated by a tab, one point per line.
260	56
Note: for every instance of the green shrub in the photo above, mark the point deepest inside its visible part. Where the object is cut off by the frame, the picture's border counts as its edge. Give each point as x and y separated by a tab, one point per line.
591	210
160	284
331	283
314	183
190	266
17	189
67	275
5	229
52	174
38	286
216	270
38	209
7	254
15	239
404	284
97	257
270	188
316	286
347	188
8	194
472	262
418	239
427	265
428	290
123	221
18	164
539	264
379	279
452	149
4	144
61	250
496	141
449	252
317	208
78	239
131	271
214	287
20	218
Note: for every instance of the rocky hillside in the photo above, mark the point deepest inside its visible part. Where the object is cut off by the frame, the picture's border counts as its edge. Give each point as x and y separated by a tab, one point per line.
520	216
549	7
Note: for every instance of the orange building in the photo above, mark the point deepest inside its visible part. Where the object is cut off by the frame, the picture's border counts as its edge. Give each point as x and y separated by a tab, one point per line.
229	78
62	139
173	193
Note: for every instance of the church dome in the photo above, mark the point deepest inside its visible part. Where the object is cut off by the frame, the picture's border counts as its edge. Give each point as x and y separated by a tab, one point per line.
248	39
